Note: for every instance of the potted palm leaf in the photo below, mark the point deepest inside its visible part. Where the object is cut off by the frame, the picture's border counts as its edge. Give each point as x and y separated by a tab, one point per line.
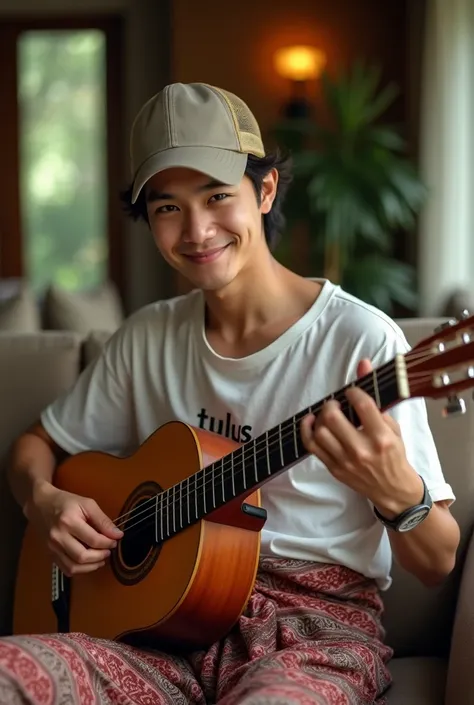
355	190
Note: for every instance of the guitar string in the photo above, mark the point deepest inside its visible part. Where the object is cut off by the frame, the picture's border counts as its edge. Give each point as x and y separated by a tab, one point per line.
199	488
422	353
412	357
167	509
274	438
421	376
237	465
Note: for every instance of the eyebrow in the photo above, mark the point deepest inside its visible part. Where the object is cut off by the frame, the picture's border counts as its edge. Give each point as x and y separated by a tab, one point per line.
153	195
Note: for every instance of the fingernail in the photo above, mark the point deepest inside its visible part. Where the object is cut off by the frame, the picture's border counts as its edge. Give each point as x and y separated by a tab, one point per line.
333	403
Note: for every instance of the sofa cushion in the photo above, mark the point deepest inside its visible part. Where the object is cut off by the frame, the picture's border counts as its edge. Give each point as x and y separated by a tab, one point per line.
83	311
19	311
417	681
34	369
94	344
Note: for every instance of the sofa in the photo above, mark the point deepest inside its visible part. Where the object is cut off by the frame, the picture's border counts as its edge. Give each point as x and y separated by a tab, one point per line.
431	629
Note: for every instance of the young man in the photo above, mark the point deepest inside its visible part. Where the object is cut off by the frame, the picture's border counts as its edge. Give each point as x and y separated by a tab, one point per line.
258	343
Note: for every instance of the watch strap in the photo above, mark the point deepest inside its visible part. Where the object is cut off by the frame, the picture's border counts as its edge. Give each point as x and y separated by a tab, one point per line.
426	503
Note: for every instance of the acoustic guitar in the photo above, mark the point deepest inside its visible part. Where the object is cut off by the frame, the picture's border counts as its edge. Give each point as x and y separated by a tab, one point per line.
189	504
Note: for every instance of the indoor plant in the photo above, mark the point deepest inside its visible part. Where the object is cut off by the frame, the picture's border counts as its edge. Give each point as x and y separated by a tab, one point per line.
355	190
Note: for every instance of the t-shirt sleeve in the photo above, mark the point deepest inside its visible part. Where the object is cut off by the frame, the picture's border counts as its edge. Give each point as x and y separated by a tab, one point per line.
96	413
412	417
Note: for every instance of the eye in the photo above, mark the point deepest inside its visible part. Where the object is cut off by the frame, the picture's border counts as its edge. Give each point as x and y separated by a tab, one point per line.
169	208
220	196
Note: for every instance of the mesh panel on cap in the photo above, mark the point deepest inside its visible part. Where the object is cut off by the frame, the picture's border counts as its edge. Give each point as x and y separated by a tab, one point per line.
247	127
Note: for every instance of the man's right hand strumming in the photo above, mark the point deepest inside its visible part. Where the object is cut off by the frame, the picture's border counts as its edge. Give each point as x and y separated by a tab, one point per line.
78	533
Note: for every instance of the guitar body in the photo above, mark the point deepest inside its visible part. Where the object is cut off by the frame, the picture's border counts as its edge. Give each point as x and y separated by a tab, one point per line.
188	591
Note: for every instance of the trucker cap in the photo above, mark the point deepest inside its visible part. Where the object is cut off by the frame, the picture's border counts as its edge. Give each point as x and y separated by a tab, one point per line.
197	126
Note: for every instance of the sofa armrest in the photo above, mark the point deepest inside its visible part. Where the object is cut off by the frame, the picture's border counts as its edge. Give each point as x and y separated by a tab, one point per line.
460	680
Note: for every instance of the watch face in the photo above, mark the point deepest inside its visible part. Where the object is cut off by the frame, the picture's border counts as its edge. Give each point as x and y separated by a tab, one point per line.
414	519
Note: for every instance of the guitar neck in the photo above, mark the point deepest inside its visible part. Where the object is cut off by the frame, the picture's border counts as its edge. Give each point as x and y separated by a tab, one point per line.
266	456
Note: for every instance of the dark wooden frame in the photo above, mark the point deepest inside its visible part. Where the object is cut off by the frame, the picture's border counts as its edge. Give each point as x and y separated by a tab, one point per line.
11	246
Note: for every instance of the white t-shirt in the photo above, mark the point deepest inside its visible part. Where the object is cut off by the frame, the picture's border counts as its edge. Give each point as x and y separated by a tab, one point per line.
159	367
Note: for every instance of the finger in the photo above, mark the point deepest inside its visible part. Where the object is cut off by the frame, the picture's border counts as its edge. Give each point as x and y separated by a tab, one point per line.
327	442
76	551
89	536
325	458
306	430
101	521
344	431
70	568
364	367
367	410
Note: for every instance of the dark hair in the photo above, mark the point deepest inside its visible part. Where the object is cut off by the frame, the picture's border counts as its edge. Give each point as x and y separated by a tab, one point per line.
256	170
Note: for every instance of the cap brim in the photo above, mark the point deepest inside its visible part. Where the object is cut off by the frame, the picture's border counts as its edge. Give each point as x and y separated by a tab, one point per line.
221	164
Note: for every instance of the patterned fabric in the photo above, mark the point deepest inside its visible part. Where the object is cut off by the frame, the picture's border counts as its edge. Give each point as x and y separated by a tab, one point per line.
311	634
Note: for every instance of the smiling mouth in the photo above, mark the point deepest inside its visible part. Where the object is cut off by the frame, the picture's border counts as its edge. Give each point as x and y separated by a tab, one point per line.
208	256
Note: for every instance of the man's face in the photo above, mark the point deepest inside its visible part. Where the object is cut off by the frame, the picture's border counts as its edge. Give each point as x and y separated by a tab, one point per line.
206	230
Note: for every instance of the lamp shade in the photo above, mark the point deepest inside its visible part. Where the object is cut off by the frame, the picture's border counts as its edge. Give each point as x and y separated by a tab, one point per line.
299	63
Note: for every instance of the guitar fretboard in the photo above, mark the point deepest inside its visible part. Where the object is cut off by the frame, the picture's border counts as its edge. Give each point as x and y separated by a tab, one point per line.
262	458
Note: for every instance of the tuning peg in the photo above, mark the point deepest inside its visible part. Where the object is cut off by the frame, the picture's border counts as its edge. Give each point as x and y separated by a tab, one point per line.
465	314
455	405
446	324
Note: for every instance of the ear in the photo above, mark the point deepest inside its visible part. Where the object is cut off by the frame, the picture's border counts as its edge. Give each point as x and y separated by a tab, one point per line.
269	190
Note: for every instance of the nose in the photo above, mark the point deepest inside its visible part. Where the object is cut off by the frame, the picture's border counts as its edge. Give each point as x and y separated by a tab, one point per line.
198	226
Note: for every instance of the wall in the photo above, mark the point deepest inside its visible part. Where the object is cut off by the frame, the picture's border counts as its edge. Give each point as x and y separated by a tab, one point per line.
232	45
146	70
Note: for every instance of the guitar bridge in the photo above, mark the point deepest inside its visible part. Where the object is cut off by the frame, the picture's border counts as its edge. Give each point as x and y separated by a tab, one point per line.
60	596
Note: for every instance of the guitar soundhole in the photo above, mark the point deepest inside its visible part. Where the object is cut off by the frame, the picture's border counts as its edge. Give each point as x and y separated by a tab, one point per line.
137	551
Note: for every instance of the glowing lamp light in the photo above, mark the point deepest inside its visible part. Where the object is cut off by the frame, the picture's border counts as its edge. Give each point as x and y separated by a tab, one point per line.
299	63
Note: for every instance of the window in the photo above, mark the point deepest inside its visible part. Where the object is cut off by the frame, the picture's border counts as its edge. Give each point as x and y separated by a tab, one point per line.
63	175
63	104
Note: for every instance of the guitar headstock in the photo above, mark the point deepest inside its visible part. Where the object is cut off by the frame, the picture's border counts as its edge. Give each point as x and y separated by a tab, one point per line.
443	364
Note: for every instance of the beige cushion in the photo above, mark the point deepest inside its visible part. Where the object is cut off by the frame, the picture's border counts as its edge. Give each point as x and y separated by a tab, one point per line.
419	620
83	312
34	369
417	681
19	311
93	345
458	301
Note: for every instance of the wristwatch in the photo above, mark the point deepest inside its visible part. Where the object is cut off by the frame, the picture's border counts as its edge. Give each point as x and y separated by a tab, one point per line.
411	517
